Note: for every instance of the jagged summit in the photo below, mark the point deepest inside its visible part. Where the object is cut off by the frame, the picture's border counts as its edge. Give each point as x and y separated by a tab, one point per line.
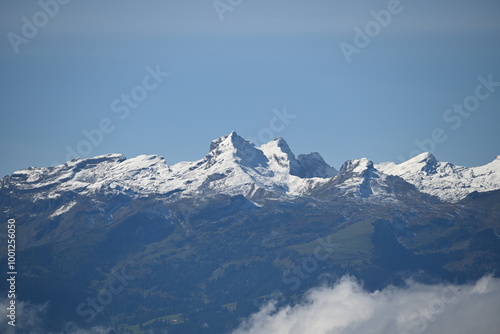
309	165
231	140
281	142
280	156
232	147
358	166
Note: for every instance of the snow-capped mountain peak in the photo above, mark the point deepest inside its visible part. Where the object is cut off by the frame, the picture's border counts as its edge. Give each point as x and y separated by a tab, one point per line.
444	179
423	157
236	149
358	178
280	156
426	158
358	166
424	162
231	140
283	145
309	165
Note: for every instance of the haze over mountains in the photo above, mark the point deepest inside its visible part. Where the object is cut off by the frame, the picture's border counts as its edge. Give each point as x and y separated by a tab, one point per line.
207	243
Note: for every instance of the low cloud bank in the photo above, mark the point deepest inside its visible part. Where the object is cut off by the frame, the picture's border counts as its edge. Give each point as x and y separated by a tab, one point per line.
348	309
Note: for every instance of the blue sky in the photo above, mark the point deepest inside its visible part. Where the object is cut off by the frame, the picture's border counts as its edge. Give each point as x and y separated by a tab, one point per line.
231	74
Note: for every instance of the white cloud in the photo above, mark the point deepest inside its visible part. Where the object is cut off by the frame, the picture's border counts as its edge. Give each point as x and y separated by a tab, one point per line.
28	317
347	309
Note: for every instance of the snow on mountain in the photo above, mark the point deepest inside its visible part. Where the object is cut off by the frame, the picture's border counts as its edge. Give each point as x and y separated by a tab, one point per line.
313	165
358	166
63	209
282	159
74	175
443	179
234	166
359	178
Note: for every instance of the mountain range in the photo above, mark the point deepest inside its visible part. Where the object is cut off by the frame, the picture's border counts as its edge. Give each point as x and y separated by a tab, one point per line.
209	241
235	166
